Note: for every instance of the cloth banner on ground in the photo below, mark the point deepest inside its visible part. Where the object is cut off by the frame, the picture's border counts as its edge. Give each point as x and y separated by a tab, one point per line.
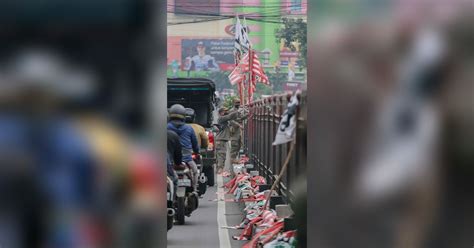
287	127
269	232
284	240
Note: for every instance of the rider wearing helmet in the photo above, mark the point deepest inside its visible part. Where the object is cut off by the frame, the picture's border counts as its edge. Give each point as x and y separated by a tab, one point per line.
174	154
58	159
199	131
187	138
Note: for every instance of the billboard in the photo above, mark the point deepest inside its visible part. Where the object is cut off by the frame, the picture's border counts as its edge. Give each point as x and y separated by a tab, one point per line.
207	54
197	7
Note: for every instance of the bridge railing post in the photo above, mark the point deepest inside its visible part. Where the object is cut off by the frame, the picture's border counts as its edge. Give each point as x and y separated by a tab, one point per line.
260	131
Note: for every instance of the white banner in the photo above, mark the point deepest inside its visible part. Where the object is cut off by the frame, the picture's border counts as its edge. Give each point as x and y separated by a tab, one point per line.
287	128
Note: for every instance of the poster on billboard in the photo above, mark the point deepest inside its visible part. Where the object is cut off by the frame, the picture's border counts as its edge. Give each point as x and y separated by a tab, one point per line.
207	54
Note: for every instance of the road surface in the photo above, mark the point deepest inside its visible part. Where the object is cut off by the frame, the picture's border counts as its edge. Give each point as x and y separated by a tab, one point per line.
201	230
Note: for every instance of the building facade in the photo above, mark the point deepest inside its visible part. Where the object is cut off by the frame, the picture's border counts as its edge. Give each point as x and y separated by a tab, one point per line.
206	28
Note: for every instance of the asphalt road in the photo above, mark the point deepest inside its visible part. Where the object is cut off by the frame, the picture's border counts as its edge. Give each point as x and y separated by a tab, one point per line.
201	230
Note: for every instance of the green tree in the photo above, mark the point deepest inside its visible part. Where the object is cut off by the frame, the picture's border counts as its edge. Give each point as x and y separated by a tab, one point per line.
221	79
277	80
294	31
262	90
229	101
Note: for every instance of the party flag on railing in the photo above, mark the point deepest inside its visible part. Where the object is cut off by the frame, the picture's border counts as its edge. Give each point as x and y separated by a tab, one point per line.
238	74
256	74
242	42
287	128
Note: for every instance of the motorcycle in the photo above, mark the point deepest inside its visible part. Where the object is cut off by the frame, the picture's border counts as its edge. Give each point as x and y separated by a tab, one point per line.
186	200
170	202
202	181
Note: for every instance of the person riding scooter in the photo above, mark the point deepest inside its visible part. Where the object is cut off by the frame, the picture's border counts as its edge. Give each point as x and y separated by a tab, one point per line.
203	141
50	164
187	138
199	131
175	155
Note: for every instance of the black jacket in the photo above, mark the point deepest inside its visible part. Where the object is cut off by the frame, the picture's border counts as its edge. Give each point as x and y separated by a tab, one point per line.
174	148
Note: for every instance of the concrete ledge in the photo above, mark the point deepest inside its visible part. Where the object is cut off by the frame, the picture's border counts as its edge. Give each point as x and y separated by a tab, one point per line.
263	187
249	166
276	200
289	224
284	211
254	173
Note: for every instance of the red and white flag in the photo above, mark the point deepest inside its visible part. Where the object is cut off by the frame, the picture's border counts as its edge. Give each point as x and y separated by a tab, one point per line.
238	74
257	74
257	70
248	64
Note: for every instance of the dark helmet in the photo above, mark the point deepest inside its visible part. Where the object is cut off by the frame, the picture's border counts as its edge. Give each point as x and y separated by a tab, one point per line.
177	112
190	115
38	70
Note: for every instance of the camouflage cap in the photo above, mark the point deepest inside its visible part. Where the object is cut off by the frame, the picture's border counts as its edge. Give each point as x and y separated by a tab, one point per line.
222	109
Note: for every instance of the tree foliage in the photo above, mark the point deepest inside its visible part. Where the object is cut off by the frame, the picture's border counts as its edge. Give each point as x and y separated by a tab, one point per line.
229	101
277	80
221	79
294	31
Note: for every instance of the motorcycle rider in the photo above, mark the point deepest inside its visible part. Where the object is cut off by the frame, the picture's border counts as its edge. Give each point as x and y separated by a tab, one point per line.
175	155
187	138
54	155
199	131
223	136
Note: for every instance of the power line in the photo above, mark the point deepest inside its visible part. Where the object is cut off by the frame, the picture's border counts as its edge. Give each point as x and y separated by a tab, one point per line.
256	18
202	9
272	15
200	12
199	21
209	20
248	15
279	21
238	5
224	18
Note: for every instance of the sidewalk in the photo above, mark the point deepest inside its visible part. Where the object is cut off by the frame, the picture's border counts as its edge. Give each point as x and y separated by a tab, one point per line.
231	215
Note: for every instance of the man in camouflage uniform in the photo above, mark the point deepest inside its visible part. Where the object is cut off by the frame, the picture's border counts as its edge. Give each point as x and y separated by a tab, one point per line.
236	128
223	136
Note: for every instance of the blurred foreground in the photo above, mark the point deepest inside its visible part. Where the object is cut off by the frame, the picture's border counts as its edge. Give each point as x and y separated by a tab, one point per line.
392	111
80	165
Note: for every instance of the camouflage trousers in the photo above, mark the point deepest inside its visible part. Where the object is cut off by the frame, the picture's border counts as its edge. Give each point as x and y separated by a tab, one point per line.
234	148
221	153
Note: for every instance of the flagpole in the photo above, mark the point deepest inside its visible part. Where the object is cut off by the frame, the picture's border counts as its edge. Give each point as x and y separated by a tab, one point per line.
250	81
240	85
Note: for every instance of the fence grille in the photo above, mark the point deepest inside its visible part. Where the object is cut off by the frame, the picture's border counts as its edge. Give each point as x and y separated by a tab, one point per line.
260	131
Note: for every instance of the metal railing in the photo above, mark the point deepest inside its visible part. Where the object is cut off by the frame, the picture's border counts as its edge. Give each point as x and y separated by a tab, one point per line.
259	134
